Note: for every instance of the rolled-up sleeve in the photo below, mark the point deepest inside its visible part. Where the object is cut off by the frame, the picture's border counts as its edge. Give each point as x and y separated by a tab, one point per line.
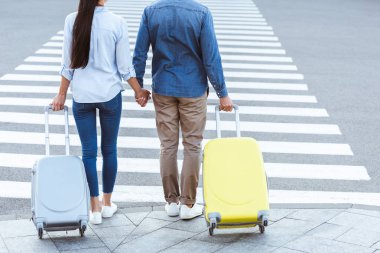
211	56
123	54
66	70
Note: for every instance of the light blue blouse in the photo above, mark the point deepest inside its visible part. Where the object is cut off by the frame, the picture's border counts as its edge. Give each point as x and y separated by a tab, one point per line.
109	62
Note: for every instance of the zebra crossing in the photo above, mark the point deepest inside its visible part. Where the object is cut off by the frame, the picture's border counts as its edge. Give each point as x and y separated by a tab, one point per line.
296	135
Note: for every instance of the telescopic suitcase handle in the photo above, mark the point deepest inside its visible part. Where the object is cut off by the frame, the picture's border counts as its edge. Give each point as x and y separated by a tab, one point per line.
47	138
237	121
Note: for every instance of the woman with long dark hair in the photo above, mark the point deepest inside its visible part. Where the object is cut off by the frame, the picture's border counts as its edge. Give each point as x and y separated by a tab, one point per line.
96	58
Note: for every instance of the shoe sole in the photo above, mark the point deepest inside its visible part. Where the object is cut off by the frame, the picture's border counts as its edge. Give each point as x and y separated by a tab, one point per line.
189	217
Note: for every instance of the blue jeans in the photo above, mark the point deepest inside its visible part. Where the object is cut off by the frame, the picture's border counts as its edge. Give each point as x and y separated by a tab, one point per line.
85	119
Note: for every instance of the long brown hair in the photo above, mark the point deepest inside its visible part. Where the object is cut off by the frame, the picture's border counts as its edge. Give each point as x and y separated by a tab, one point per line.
80	48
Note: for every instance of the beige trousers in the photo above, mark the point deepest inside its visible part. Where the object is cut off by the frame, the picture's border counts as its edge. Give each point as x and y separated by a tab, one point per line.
189	114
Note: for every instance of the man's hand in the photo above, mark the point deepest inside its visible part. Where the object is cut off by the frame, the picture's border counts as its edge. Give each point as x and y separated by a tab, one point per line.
142	97
225	104
58	102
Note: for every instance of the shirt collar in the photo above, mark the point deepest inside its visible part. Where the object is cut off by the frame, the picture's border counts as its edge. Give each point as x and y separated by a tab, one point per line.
100	8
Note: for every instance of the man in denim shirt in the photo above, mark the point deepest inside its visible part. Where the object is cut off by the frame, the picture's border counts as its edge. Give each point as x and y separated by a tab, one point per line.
185	53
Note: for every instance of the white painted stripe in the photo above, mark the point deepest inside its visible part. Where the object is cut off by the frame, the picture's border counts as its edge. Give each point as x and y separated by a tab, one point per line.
248	43
49	51
263	127
241	58
278	170
221	49
259	66
246	37
44	59
235	96
38	68
251	50
275	170
53	44
57	38
24	77
136	18
267	86
307	148
61	32
124	193
316	171
264	75
131	106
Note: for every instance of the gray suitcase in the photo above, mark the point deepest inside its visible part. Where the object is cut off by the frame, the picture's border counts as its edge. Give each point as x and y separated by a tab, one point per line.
60	195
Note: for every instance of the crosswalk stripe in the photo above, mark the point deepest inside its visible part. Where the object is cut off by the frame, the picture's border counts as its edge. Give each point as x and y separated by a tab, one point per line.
228	65
52	68
264	127
251	110
275	170
235	96
221	49
43	59
310	148
132	194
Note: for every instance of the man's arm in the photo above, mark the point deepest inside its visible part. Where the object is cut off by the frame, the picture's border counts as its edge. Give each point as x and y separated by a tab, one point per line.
141	49
213	62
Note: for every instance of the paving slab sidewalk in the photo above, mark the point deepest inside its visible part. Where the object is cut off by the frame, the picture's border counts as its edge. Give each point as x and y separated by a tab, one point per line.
149	229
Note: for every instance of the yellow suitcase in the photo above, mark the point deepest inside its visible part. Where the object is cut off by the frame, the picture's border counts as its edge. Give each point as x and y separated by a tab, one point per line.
234	182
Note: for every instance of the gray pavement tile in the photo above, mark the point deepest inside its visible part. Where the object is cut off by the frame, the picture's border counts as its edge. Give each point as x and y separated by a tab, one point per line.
17	228
241	246
322	245
70	233
90	250
113	236
193	246
142	209
136	218
116	221
328	231
148	225
196	225
360	236
156	241
162	216
159	208
286	250
376	245
278	214
31	244
226	235
75	242
282	232
364	212
318	215
356	220
3	248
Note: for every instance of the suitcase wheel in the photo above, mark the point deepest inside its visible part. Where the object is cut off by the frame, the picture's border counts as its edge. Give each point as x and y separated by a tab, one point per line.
212	227
262	229
82	228
40	233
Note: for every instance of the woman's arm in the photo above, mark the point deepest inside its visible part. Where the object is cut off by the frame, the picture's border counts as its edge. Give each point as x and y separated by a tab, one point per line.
59	100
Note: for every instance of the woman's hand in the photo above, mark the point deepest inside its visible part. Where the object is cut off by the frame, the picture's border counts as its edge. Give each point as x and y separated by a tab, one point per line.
142	97
58	102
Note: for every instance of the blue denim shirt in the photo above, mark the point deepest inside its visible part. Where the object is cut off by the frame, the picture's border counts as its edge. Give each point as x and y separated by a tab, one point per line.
185	49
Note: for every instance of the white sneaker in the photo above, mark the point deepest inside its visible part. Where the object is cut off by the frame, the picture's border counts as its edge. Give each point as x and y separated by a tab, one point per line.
95	218
109	211
172	209
188	213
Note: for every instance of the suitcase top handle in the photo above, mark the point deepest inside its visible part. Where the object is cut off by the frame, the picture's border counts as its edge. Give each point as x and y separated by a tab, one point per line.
47	138
237	121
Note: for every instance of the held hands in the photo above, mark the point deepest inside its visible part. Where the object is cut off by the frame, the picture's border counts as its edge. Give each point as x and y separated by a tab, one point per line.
58	102
225	104
142	97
